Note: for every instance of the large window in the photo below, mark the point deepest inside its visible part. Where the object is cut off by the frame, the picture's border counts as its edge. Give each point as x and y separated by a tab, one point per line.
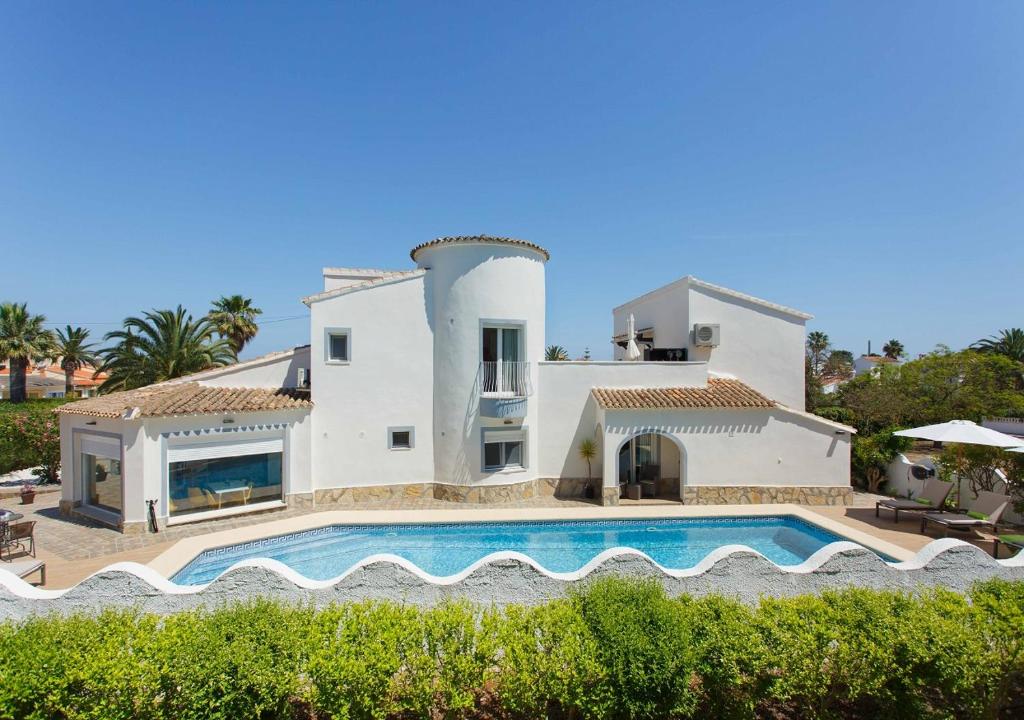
104	482
224	481
101	474
504	372
504	450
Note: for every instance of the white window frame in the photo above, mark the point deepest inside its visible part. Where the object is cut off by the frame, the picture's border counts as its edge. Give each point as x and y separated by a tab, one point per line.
333	332
500	325
401	428
500	435
175	450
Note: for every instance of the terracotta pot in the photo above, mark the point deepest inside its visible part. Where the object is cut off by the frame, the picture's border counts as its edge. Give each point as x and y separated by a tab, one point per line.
27	498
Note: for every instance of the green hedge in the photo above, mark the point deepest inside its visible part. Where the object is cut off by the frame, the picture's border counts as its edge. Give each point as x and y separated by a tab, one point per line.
618	649
30	437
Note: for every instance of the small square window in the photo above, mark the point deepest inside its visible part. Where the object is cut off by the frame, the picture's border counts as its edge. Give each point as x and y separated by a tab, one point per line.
337	350
400	438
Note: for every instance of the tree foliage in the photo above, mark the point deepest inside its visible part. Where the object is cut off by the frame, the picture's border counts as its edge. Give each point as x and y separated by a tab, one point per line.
1009	343
871	455
162	345
893	349
940	386
234	317
555	352
23	340
74	353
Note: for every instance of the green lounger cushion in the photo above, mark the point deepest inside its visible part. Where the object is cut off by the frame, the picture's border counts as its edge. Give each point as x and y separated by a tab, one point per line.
977	515
923	501
1012	539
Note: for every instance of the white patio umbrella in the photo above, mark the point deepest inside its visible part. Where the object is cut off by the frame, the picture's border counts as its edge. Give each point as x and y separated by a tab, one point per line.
632	349
963	432
1020	450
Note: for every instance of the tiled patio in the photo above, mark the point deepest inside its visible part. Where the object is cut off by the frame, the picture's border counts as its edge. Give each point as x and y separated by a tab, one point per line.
73	548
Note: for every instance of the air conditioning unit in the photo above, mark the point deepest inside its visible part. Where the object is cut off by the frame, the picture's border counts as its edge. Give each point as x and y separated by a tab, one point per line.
706	335
303	377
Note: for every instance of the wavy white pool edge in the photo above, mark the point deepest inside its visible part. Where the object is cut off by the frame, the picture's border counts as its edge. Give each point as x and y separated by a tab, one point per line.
505	577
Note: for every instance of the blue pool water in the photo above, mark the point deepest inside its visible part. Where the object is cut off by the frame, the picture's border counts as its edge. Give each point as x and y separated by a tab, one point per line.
559	546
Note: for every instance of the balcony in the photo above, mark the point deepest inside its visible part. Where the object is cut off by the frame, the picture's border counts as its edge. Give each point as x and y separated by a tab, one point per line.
504	387
504	379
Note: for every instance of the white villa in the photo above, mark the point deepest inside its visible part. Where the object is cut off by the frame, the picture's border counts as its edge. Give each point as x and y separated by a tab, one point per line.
430	382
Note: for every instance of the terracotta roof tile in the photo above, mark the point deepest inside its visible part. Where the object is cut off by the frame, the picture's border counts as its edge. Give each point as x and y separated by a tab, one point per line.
719	393
473	239
186	399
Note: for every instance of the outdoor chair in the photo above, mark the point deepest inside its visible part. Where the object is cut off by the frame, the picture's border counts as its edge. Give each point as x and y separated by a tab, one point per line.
18	534
933	497
988	509
25	568
1010	541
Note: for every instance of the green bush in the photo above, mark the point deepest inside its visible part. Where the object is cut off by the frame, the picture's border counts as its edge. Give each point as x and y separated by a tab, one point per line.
616	649
30	437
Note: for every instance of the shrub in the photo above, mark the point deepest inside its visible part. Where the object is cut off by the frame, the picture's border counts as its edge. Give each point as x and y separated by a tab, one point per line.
615	649
30	437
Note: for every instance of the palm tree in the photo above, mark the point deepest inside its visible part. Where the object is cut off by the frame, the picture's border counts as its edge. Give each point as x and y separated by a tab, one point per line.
162	345
588	451
555	352
817	350
235	319
1008	342
74	353
23	340
893	349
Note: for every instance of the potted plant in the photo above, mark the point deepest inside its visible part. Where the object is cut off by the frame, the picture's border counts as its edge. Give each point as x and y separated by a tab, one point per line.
28	493
588	451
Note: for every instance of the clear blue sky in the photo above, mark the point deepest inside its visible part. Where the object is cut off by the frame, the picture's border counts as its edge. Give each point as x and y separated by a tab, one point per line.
860	161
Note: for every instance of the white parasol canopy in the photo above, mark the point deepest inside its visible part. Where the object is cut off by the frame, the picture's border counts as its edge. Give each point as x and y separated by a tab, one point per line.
632	349
961	431
1020	450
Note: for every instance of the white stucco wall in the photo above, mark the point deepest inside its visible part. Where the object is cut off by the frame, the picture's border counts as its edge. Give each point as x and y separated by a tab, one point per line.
277	370
738	447
389	382
760	345
568	412
470	285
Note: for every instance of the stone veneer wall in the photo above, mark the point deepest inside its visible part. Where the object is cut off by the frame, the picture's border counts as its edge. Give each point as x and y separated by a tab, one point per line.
755	494
473	494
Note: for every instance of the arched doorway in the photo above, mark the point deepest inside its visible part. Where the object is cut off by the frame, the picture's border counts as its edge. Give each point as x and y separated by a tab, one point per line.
650	464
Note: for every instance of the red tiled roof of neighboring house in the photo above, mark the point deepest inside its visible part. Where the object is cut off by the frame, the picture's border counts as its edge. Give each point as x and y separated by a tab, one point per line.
719	393
880	358
478	239
83	377
166	399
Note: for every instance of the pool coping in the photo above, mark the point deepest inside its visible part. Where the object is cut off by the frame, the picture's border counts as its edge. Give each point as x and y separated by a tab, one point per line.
185	550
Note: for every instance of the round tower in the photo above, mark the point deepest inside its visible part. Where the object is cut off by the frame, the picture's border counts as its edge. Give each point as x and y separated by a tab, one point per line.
485	300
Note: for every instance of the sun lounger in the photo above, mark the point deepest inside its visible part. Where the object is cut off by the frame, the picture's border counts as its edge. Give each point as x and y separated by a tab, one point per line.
987	511
25	568
1010	541
933	497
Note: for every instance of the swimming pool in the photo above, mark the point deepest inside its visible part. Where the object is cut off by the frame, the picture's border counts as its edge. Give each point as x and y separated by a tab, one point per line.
558	546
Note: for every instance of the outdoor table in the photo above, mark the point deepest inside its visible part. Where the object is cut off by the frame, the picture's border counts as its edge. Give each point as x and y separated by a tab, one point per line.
224	490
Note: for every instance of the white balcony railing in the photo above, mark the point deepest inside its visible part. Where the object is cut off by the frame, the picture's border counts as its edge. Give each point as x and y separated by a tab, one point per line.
505	379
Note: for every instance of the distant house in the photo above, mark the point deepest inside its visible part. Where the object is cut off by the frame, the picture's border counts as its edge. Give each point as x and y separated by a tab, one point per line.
869	363
47	381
